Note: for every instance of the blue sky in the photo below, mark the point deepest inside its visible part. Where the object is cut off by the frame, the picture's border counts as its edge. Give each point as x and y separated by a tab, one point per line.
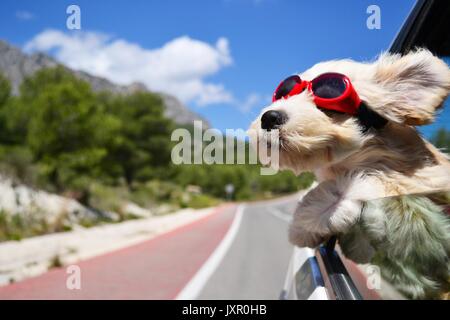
245	46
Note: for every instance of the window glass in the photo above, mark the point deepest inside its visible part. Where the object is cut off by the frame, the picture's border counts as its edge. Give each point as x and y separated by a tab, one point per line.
433	33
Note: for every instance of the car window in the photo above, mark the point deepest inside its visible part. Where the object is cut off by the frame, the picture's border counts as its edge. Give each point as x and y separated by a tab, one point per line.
441	123
432	32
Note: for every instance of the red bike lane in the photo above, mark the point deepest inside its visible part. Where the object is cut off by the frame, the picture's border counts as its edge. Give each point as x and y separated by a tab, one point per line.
154	269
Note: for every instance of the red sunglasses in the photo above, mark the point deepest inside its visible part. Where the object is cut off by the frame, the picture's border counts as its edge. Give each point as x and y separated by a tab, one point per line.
331	91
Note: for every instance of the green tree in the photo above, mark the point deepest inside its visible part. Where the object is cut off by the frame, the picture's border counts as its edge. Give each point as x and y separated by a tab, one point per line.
5	90
66	129
441	139
15	158
143	150
5	95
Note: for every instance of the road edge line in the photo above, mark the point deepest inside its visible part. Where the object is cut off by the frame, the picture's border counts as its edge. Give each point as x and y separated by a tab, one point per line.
193	288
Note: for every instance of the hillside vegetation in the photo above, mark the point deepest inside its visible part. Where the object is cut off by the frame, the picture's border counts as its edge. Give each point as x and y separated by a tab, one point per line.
105	149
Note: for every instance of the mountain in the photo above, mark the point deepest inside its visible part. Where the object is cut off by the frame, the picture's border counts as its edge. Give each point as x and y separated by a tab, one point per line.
16	65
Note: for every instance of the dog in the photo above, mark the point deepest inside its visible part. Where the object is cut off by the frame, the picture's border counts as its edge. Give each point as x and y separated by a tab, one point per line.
371	152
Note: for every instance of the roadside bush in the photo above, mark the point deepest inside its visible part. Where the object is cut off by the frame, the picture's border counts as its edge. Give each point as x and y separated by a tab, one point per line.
23	225
108	198
199	201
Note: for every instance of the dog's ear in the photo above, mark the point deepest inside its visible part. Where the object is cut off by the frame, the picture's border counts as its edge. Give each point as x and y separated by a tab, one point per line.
408	89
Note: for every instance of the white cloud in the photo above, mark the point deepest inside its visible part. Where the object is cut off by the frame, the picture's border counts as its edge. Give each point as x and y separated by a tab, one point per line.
251	101
24	15
179	67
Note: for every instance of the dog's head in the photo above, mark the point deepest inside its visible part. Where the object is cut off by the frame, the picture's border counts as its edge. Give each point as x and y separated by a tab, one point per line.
405	89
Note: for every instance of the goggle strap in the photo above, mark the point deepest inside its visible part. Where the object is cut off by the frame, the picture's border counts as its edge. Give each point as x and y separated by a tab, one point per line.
369	118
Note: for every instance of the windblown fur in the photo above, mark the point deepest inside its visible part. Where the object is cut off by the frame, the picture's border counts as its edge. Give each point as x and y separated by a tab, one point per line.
406	233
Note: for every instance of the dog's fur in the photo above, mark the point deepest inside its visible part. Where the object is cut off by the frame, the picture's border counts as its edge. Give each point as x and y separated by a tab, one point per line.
409	236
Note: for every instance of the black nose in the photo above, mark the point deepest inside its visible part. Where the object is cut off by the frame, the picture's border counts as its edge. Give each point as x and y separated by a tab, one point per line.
273	119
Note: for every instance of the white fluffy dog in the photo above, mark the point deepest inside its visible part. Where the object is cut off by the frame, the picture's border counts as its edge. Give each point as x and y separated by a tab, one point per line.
409	236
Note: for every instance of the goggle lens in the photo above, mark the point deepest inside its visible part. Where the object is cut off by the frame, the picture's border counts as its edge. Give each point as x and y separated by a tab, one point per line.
287	87
329	86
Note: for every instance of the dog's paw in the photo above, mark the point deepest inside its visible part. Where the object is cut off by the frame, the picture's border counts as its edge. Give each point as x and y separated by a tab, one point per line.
302	238
331	208
327	210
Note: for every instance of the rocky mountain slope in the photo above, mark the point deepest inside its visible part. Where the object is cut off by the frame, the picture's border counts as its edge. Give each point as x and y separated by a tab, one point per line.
16	65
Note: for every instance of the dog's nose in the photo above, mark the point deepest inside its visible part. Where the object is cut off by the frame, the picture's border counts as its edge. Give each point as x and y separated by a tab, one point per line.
273	119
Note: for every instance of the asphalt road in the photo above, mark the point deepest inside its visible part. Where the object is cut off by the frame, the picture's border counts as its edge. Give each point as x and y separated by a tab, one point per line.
252	266
255	265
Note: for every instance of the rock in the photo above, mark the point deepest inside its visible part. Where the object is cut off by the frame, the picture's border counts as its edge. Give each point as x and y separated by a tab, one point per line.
135	210
32	204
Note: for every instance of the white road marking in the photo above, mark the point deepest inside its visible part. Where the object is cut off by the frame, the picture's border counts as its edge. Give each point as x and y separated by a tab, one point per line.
196	284
280	214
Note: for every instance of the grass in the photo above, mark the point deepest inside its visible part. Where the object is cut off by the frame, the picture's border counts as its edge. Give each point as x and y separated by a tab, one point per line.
15	227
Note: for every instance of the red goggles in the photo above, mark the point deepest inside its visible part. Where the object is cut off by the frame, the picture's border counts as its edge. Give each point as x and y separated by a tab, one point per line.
331	91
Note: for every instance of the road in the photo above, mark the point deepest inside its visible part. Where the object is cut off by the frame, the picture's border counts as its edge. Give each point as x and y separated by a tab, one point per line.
238	252
256	263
